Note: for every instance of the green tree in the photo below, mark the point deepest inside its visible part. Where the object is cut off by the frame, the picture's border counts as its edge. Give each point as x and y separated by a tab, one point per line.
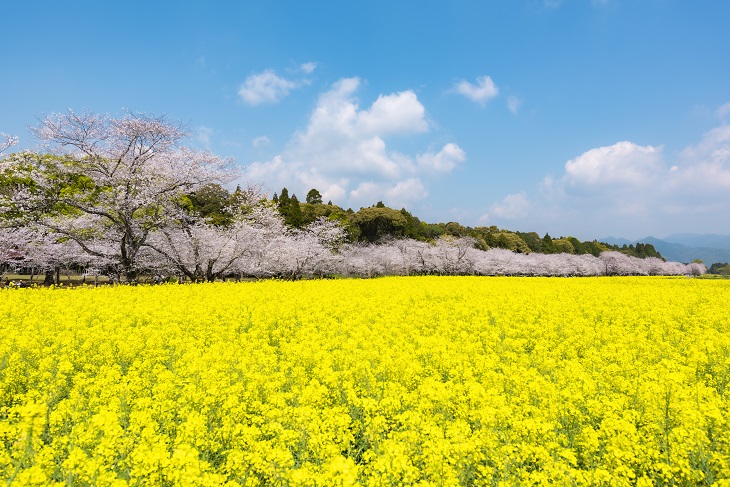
455	229
563	246
532	239
650	251
414	228
284	199
293	215
578	247
314	197
594	248
377	222
212	202
511	241
721	268
432	231
547	244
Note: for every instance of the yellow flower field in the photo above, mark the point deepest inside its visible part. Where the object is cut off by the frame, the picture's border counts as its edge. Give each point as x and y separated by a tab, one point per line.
393	381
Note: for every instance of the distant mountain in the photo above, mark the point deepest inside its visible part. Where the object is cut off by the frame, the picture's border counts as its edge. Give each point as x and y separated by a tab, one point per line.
707	240
685	247
617	241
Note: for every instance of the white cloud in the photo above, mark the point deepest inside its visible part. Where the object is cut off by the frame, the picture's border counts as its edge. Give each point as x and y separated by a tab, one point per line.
704	168
338	112
367	191
260	141
443	161
513	103
398	113
308	67
483	91
265	87
343	139
512	207
623	163
407	191
265	171
630	190
713	146
344	150
400	194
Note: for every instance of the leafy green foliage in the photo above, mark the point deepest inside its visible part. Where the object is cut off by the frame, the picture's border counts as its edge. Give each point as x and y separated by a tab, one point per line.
722	268
314	197
378	222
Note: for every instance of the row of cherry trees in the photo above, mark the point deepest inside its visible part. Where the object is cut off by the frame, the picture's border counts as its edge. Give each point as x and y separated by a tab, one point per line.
111	196
261	246
458	256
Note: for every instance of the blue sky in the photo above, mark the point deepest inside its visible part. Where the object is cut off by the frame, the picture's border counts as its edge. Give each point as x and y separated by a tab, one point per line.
573	117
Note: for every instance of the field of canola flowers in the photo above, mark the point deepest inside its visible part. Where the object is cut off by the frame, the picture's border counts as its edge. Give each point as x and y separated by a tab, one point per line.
393	381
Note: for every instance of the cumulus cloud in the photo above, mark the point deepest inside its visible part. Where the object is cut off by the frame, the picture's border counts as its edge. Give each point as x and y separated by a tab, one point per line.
445	160
264	171
631	190
344	150
338	112
266	87
407	191
622	163
398	194
704	167
392	114
481	92
512	207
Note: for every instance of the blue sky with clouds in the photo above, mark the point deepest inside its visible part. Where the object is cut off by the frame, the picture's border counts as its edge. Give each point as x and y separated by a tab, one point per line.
574	117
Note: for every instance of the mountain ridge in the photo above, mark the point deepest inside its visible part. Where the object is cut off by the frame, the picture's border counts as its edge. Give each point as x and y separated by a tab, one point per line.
685	247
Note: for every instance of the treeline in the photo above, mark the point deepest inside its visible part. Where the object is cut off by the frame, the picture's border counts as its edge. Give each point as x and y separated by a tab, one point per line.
379	222
721	268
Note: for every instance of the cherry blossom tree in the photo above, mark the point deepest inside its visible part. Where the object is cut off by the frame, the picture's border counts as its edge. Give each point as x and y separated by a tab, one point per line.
203	251
13	242
311	251
372	260
110	183
6	142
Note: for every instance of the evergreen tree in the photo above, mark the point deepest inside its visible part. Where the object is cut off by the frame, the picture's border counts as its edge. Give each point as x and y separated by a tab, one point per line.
547	244
284	199
293	216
